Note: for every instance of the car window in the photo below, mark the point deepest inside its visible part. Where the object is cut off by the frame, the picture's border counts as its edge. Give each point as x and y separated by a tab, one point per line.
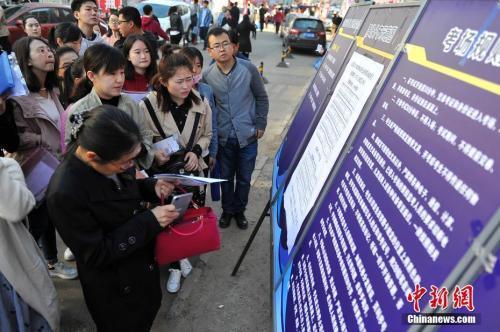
304	24
64	15
10	11
160	11
41	14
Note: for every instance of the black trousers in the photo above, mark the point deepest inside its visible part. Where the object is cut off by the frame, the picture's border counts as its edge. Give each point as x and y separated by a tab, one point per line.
44	232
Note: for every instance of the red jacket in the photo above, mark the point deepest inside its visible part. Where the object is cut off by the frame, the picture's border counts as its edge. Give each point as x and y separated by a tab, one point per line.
151	25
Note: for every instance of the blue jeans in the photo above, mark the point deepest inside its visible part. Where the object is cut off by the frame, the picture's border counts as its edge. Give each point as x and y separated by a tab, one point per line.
239	162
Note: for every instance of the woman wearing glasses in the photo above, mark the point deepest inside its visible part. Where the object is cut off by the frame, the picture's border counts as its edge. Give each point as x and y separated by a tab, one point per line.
37	116
113	34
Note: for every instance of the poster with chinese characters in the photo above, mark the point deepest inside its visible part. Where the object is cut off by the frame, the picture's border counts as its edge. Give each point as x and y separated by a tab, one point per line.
380	35
319	89
419	185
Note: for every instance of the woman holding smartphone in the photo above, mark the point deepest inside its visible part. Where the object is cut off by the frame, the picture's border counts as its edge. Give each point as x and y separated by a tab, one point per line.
100	211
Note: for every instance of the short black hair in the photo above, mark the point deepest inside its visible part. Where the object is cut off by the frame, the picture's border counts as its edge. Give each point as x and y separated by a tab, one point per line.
67	31
107	131
147	9
131	14
77	4
217	31
102	56
129	68
22	50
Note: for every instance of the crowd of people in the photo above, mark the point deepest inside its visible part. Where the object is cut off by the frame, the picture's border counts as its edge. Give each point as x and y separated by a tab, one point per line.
97	104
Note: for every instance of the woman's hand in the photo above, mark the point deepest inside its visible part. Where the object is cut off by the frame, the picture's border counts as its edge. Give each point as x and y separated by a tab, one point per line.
211	163
165	214
160	157
191	161
164	188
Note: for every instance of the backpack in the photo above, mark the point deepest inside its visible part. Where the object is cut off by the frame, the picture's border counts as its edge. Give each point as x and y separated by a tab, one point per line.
176	22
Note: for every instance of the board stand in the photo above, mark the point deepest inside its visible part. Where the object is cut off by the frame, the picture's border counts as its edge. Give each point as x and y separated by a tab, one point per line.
265	213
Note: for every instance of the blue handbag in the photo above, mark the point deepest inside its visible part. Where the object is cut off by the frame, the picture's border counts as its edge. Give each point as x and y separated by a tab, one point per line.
6	77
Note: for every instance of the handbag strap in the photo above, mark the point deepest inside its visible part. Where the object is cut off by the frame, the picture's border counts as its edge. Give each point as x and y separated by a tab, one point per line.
153	116
193	132
172	228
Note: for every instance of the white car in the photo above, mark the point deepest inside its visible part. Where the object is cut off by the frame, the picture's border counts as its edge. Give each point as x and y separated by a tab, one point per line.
161	8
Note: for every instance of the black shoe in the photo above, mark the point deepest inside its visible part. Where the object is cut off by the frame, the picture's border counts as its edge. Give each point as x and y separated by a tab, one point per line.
241	220
225	220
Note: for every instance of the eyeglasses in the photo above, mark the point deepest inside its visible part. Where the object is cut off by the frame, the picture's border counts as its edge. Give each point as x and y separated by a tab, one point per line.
218	47
122	22
114	22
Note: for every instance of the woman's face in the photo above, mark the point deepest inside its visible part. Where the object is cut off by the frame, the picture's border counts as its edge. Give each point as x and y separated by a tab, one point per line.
180	84
113	23
198	66
74	44
65	61
41	57
32	27
121	165
139	56
107	85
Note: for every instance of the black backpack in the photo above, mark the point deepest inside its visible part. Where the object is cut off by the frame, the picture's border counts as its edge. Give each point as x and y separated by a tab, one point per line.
175	22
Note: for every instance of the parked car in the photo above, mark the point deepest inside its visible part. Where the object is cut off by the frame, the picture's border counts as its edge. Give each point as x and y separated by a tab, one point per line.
47	15
160	9
305	32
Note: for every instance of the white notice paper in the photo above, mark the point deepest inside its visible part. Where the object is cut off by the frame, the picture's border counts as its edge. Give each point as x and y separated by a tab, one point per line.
340	116
169	145
188	180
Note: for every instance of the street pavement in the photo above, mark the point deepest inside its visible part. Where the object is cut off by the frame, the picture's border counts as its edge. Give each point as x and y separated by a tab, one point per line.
210	298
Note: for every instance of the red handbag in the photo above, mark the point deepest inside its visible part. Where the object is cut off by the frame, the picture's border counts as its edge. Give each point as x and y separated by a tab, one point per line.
196	234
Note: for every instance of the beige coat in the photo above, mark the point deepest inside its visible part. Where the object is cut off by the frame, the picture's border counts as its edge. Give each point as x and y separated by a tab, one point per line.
21	261
203	133
126	104
36	129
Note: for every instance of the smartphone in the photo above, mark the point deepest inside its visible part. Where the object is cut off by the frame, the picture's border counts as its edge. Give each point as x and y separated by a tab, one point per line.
181	203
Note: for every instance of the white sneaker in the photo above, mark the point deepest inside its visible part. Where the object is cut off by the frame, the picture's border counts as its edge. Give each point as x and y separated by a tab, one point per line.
68	255
62	271
174	281
186	267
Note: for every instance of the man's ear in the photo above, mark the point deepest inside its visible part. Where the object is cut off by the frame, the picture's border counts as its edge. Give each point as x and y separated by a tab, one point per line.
76	14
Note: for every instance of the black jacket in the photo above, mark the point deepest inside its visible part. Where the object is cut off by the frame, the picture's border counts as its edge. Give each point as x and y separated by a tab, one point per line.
244	29
112	239
9	138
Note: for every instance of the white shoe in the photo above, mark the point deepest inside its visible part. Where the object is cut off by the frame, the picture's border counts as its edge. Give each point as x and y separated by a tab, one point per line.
68	255
174	281
186	267
62	271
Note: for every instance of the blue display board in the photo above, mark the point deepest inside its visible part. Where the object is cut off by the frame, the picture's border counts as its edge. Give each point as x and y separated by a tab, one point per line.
317	92
380	35
420	181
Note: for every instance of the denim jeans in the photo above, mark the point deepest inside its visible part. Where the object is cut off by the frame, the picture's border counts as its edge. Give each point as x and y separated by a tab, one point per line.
239	162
